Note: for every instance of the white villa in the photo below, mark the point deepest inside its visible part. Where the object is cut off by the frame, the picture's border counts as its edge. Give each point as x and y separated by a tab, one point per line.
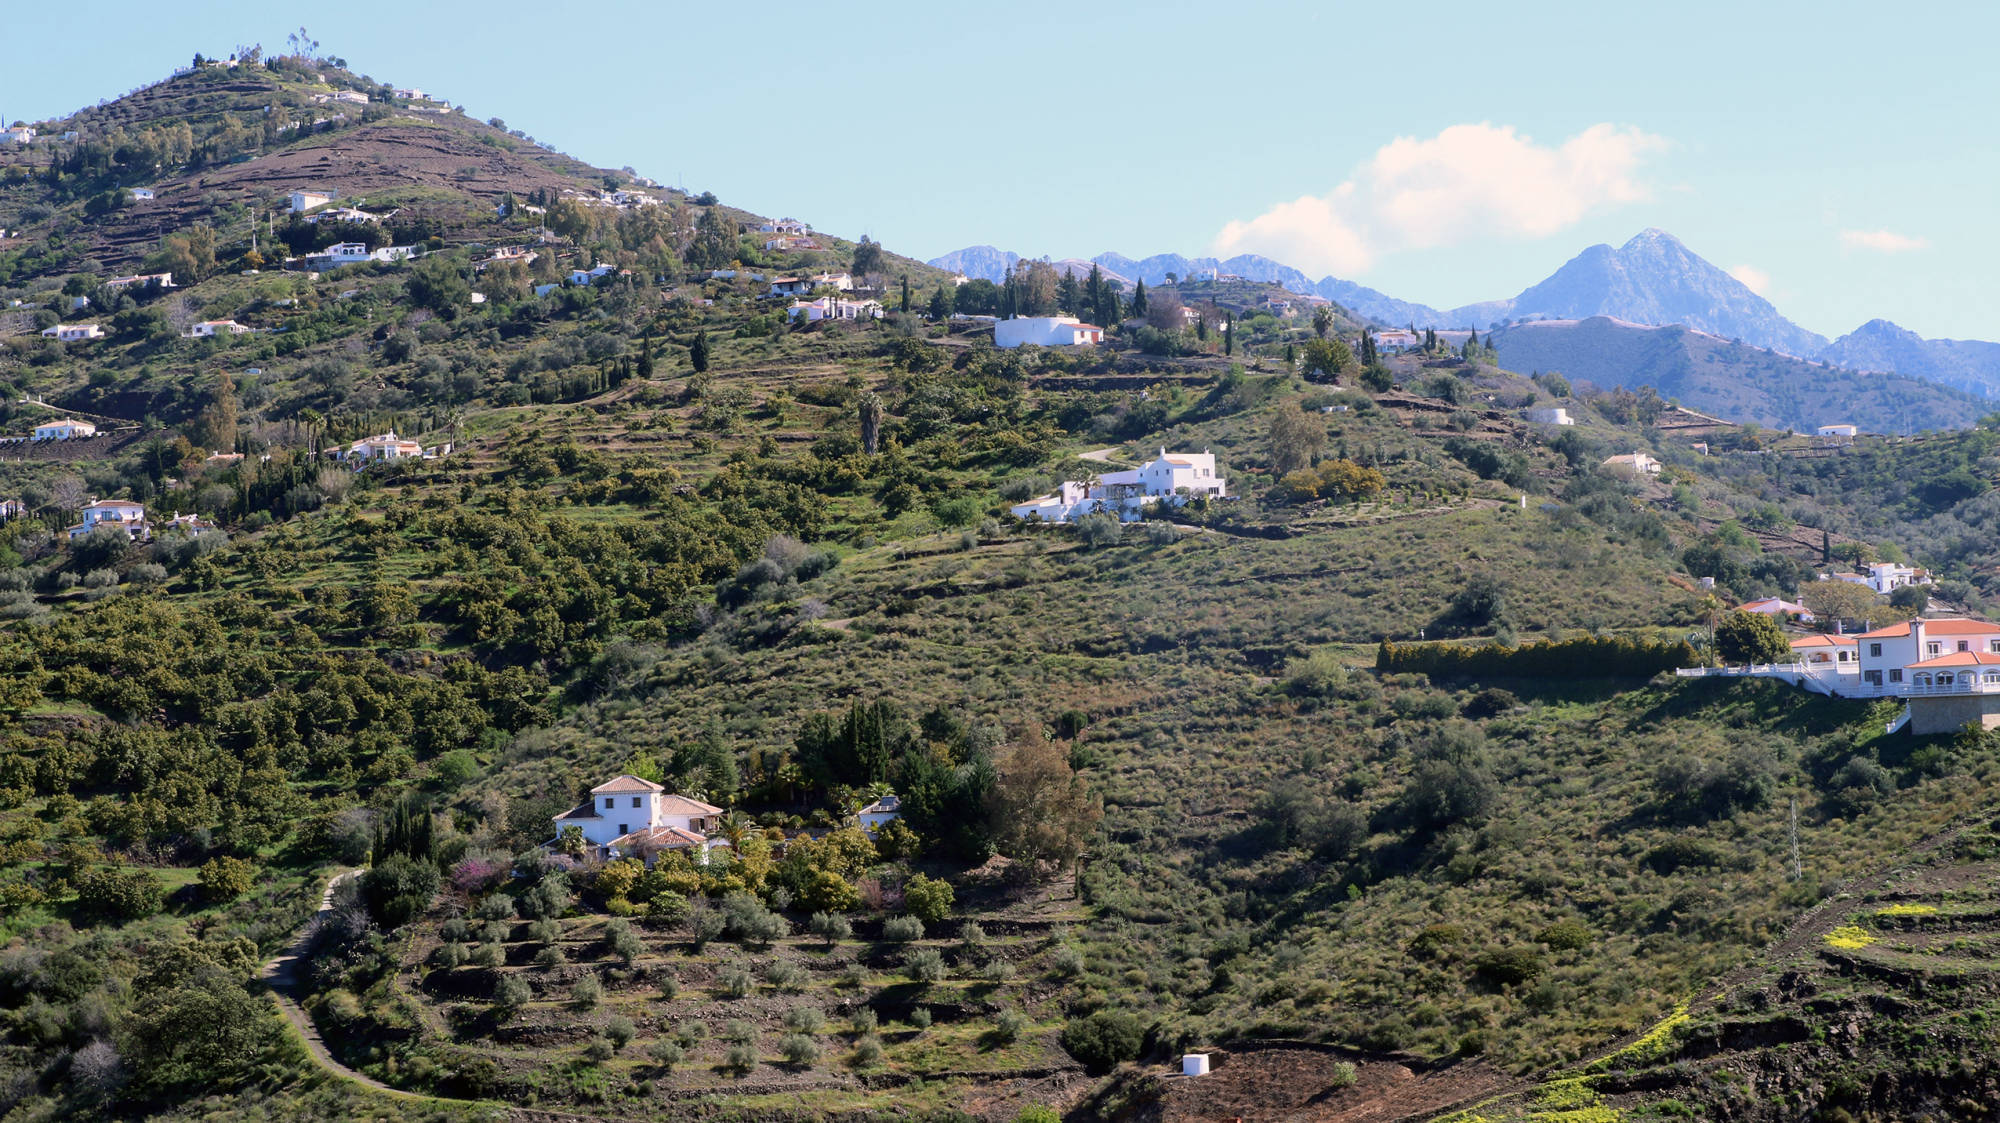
303	201
1170	477
627	817
1553	415
66	429
72	333
1397	340
382	447
586	276
1046	331
879	814
1776	607
116	512
783	226
19	134
1841	429
208	328
1947	671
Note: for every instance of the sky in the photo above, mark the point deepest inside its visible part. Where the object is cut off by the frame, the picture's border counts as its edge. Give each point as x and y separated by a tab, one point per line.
1831	155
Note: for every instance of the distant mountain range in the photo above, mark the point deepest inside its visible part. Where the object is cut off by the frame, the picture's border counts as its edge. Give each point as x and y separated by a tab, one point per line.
1651	280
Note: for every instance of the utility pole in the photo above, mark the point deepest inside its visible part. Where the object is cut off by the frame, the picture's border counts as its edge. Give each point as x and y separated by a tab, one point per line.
1799	872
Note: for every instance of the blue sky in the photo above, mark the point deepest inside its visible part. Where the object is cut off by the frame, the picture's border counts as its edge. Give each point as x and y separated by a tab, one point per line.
1831	153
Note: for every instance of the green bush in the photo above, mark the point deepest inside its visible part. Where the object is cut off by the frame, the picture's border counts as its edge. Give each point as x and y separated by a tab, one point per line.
903	929
1566	935
799	1049
1507	966
928	899
1104	1039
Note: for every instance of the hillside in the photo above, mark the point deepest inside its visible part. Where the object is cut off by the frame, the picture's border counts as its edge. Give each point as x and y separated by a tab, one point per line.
1732	379
1366	777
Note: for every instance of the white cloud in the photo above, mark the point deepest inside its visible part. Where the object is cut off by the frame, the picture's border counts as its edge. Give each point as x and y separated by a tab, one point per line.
1882	241
1467	181
1753	278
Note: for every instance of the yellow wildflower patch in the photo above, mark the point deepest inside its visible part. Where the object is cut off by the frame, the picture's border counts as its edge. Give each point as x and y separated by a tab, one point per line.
1849	936
1908	910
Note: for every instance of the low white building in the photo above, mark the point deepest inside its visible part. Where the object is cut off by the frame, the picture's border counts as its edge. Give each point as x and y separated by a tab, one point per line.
783	226
142	194
1777	608
408	93
1397	340
19	134
342	214
1170	477
303	201
72	333
66	429
1046	331
114	512
207	328
350	97
1633	463
834	308
630	817
164	280
1553	415
590	275
1840	430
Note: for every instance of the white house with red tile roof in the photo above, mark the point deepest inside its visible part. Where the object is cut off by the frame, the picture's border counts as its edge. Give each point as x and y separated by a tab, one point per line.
1170	477
1046	331
1839	651
635	817
382	447
112	512
1891	655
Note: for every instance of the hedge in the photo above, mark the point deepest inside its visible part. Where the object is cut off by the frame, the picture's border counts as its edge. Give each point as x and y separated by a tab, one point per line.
1583	657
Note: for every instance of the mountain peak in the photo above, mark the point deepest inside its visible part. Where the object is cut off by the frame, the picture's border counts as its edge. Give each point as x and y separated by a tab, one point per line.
1654	279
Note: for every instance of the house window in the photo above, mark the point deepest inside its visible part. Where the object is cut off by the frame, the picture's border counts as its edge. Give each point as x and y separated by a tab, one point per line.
635	801
1874	651
1993	645
1874	678
624	829
1896	675
607	803
1964	646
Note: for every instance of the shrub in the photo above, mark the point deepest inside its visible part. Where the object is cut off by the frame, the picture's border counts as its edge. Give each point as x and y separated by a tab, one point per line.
735	982
903	929
1104	1039
550	956
621	941
784	975
740	1059
867	1053
805	1019
739	1031
1566	935
831	927
598	1051
920	1018
225	878
120	896
666	1054
1096	531
1507	966
449	955
398	889
1066	963
924	965
670	988
853	975
863	1021
1036	1113
489	955
512	992
1009	1025
799	1049
1343	1075
587	992
620	1031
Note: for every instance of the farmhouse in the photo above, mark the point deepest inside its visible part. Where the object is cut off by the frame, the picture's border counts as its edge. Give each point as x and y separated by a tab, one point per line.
1397	340
68	428
1170	478
142	194
1046	331
19	134
303	201
1555	415
586	276
164	280
207	328
627	817
783	226
1840	430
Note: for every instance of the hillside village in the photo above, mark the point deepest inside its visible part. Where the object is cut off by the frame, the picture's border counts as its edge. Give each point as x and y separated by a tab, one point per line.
494	629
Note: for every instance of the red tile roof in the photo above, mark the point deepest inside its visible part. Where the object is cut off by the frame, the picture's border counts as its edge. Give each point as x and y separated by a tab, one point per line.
1823	641
1958	627
1960	659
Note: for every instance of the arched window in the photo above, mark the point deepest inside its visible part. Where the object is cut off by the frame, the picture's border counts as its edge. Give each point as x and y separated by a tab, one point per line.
1923	678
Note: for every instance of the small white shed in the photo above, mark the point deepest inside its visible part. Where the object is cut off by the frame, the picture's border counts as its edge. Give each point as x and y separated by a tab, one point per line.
1194	1064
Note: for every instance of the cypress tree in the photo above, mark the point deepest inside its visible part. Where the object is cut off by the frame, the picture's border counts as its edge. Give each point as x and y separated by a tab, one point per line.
698	352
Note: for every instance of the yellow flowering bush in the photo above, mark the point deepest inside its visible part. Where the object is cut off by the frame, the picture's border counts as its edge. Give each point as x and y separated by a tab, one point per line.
1849	936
